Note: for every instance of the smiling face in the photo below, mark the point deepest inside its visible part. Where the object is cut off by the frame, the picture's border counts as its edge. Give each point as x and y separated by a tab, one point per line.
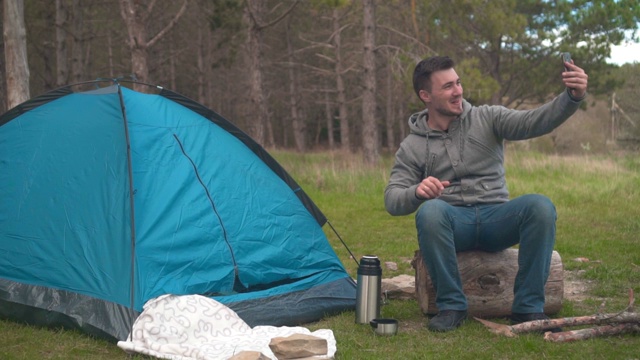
444	99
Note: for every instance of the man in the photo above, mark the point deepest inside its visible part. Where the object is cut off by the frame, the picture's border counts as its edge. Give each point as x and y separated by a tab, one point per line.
450	168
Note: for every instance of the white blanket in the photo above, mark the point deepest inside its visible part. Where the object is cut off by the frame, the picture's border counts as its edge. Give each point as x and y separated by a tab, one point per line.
194	327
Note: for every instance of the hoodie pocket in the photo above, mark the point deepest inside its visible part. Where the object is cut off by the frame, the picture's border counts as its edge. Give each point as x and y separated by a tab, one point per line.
492	185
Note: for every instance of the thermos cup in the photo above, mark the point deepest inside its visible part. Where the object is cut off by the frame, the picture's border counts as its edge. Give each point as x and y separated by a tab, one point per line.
386	327
369	289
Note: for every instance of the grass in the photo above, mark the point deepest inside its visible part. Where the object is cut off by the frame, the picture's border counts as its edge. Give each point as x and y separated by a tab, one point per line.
597	200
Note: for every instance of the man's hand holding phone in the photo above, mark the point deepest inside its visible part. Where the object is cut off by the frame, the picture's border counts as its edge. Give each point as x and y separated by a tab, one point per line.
566	58
574	77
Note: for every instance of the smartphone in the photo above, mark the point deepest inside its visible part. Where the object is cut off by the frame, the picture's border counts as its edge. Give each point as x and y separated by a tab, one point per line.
566	57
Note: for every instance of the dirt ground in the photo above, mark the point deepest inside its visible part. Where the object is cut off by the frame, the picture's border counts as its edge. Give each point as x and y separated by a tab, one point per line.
575	287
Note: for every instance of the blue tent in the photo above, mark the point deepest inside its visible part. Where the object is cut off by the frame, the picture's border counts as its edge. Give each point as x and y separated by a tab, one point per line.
111	197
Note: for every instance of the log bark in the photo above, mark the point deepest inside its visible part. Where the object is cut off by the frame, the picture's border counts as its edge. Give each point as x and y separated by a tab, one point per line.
487	281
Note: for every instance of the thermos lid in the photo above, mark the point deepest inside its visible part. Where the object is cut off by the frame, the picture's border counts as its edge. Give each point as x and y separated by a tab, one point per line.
369	265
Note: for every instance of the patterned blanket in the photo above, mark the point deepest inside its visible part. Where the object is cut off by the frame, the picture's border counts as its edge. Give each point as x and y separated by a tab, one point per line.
195	327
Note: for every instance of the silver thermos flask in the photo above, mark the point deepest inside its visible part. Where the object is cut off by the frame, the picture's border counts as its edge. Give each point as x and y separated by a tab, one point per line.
369	289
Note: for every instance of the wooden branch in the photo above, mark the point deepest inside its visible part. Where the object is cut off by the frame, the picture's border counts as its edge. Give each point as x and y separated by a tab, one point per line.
598	331
541	325
406	36
609	324
498	329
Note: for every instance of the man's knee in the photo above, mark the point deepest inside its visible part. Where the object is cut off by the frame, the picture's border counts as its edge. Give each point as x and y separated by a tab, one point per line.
540	209
432	214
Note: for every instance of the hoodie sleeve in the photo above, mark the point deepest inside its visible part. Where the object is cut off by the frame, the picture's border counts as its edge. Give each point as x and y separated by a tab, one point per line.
526	124
400	193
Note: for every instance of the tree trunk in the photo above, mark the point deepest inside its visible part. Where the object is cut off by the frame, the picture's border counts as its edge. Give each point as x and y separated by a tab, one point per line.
270	140
135	14
328	110
297	122
487	281
111	64
389	119
77	44
135	19
172	66
343	111
3	81
200	66
203	52
62	66
15	52
370	142
254	17
253	11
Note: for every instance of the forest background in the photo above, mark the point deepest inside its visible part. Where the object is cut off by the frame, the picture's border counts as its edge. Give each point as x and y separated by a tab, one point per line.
333	74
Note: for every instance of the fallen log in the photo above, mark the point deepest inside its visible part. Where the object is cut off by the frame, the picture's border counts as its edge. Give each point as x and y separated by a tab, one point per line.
487	281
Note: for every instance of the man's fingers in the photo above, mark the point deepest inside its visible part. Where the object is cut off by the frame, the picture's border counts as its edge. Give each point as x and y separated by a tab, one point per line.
432	187
434	183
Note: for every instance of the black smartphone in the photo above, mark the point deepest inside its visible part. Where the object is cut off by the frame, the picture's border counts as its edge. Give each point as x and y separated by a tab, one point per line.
566	57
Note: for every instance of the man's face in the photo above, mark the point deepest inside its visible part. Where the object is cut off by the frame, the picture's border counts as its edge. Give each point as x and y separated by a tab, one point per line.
445	96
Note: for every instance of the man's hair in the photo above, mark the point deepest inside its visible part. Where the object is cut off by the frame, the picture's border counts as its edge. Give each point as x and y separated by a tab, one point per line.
424	69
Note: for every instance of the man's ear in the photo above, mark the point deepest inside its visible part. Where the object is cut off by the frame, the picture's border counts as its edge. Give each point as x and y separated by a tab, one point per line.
424	96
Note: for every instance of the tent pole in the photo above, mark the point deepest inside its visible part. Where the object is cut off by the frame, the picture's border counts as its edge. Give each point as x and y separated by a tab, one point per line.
131	206
343	243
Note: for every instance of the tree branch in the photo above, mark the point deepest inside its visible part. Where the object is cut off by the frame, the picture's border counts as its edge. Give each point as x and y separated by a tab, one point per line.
598	331
169	26
260	26
609	324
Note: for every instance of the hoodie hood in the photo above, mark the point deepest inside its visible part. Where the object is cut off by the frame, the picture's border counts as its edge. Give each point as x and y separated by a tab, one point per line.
418	121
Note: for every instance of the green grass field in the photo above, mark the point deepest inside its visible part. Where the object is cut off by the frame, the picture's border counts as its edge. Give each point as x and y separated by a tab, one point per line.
598	203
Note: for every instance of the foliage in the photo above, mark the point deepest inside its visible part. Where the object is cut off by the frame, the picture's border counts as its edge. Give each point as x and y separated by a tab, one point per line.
226	22
518	43
506	52
480	86
226	15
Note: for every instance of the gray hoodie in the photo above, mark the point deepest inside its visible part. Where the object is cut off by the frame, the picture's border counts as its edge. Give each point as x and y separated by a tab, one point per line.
470	154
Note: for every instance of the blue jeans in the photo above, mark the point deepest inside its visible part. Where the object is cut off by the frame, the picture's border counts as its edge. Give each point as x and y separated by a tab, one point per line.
444	230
